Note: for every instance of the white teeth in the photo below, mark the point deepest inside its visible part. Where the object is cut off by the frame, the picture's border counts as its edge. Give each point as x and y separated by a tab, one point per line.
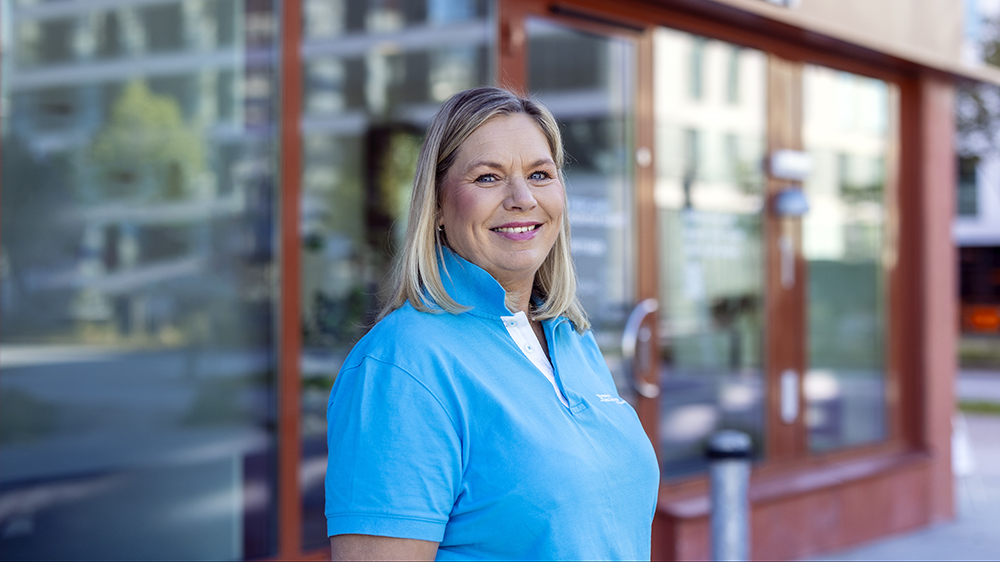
516	229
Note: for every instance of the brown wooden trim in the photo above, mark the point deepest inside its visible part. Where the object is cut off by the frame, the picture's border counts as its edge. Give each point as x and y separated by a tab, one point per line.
598	23
906	297
647	236
716	21
289	329
785	341
894	284
512	45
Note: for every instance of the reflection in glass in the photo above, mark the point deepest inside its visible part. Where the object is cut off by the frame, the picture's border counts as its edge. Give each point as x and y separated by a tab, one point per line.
847	134
374	74
136	399
710	127
587	82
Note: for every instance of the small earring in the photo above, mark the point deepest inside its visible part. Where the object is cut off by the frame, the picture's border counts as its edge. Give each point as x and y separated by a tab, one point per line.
440	228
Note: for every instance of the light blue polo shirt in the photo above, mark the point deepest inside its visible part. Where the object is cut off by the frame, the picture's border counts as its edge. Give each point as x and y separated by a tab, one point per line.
442	429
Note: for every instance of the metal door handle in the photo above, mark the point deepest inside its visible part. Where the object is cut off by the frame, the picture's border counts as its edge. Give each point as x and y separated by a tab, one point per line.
631	338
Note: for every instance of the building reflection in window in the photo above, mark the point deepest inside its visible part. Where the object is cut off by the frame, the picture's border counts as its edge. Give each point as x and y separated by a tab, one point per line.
847	133
137	280
710	131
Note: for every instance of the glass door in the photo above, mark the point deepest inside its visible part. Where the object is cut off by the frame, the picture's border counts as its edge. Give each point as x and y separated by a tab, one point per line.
588	80
729	289
667	240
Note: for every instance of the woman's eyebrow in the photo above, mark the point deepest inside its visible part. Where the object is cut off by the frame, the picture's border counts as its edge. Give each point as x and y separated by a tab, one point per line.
486	164
542	162
497	166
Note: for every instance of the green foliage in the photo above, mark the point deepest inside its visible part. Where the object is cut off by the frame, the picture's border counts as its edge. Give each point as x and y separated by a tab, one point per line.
979	352
977	407
977	118
397	173
145	152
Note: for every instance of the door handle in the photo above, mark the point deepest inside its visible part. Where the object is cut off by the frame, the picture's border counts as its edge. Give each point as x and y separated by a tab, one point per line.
632	336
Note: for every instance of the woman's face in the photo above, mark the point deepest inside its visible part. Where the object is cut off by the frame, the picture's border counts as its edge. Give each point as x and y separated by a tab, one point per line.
502	201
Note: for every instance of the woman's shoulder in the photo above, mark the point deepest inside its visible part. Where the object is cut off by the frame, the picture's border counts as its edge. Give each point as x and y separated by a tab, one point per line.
406	322
404	337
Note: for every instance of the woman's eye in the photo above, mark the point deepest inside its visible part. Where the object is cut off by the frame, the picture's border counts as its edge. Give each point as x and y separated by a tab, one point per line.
539	176
486	178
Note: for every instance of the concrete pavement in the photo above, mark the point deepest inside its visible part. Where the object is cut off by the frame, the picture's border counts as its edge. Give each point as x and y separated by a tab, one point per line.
978	386
975	532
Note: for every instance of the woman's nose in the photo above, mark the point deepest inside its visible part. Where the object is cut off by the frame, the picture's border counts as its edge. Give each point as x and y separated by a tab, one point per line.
520	196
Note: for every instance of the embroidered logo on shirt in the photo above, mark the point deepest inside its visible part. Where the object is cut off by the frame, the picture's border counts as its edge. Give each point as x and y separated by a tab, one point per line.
609	398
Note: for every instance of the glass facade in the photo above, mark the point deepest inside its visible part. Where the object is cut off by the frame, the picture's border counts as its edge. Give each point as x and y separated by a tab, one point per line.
138	280
139	271
848	133
710	140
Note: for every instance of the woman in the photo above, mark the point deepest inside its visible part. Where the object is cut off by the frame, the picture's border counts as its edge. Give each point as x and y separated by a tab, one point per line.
478	419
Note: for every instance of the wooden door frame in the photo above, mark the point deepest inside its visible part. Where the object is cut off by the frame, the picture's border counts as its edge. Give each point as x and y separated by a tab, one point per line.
288	492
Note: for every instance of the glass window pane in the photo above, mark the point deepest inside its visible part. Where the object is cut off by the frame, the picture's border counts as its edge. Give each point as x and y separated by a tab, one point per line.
710	138
374	74
588	82
137	281
846	132
968	186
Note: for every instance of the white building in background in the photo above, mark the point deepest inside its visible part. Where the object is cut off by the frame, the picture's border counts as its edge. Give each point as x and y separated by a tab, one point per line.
977	219
976	229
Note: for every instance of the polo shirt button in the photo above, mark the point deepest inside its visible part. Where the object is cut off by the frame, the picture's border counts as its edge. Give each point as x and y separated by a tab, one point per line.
528	348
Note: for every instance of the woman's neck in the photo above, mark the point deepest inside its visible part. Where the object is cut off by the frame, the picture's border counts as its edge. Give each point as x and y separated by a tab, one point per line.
519	298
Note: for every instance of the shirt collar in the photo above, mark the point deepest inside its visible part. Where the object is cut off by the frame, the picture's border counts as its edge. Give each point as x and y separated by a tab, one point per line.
471	285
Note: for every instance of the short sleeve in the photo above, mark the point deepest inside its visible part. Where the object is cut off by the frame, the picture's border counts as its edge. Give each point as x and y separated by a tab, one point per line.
395	455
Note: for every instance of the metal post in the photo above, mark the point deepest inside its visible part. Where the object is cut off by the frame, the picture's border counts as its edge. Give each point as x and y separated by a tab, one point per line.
729	471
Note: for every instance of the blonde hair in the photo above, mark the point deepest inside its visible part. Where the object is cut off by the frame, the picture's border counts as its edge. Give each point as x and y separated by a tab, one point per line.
416	276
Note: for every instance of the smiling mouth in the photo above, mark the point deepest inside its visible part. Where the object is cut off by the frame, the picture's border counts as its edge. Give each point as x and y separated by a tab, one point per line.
515	229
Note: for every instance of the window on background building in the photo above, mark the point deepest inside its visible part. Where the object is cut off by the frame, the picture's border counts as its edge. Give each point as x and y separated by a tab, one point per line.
137	280
967	204
374	73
